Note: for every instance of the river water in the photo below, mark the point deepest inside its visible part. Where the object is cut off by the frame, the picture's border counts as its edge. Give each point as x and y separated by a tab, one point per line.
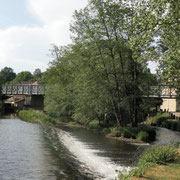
34	152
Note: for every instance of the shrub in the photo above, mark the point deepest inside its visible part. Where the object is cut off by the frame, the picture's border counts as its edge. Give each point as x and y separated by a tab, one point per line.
94	124
143	133
35	116
158	119
158	155
178	127
127	133
115	132
143	136
106	130
174	126
151	134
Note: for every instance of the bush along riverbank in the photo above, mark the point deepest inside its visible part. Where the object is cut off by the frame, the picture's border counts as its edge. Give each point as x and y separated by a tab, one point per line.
135	134
34	116
128	134
159	162
164	120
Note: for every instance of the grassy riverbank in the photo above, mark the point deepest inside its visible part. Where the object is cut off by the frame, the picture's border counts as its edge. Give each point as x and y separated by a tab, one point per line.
128	134
159	162
164	120
34	116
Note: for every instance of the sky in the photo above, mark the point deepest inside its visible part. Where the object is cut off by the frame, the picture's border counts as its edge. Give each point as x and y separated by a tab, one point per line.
28	28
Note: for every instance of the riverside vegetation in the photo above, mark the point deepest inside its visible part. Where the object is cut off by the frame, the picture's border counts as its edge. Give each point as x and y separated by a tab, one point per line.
143	133
164	120
155	162
159	162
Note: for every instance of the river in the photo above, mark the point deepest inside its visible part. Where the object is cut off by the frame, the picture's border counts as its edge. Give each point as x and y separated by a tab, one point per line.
33	152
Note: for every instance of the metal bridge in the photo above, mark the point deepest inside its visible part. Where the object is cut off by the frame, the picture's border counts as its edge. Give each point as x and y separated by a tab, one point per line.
161	91
23	89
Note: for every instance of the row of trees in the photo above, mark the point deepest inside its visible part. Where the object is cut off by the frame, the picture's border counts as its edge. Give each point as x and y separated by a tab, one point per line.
101	75
8	75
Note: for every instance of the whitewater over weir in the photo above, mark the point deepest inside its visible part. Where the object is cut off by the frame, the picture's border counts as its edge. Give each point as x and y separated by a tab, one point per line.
103	168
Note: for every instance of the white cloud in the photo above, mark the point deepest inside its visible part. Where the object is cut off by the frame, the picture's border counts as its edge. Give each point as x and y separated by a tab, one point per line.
54	10
22	48
56	15
26	47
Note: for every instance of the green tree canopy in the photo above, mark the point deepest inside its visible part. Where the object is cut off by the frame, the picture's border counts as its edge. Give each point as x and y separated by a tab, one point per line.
156	30
97	77
6	75
23	76
37	74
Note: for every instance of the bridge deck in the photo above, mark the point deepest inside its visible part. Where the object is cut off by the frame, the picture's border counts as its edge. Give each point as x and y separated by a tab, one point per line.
148	91
23	89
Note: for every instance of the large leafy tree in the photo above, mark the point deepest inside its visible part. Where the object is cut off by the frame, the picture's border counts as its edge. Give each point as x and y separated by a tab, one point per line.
7	74
37	74
58	99
23	76
102	31
157	25
98	77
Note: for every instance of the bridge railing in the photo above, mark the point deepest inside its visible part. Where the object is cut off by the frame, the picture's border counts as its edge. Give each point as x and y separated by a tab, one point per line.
148	91
23	89
159	91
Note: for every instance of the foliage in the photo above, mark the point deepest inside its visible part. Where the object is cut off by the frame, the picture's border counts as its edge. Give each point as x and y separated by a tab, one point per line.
97	78
23	76
37	74
158	118
151	157
94	124
143	136
164	120
158	155
142	133
6	75
35	116
156	23
171	124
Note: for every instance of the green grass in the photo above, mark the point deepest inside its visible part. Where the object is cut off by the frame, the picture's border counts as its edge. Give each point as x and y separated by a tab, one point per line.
94	125
159	155
157	119
164	120
35	117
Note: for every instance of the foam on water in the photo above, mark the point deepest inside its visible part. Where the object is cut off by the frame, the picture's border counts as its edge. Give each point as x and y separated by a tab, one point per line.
103	167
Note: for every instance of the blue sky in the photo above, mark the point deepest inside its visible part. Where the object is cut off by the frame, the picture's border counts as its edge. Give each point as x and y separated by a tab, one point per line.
29	27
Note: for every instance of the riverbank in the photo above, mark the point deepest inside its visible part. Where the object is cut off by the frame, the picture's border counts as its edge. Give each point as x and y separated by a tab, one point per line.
165	120
40	117
160	162
137	135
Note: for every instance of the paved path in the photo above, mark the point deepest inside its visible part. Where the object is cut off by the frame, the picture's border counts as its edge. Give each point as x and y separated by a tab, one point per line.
166	136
